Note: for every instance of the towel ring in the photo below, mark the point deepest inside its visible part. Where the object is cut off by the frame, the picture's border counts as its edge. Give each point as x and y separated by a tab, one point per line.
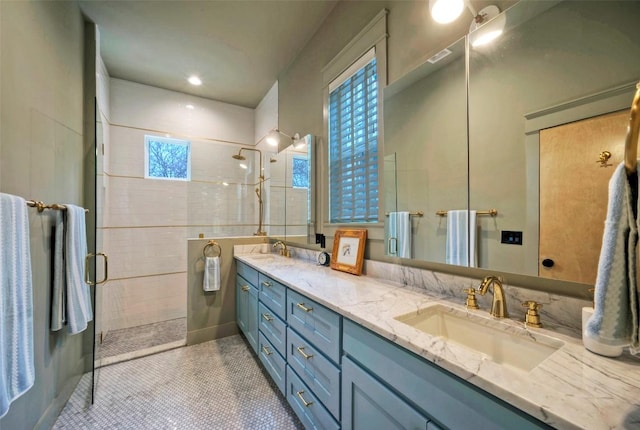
212	243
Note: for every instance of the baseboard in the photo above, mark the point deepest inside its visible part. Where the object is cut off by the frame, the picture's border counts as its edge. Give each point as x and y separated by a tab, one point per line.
211	333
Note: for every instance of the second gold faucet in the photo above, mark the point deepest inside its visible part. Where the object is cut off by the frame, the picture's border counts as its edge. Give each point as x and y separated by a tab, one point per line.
499	304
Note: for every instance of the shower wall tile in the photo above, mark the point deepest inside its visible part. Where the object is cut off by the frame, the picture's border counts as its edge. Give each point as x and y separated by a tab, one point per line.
126	151
219	205
146	251
138	301
147	202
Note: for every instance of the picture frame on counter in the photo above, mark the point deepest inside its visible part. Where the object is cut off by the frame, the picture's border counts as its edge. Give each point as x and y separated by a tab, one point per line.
348	250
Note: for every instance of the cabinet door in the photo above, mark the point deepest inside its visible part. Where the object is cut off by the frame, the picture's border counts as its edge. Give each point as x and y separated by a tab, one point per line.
369	405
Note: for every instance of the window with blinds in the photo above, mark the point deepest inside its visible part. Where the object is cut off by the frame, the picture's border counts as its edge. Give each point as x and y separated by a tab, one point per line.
353	147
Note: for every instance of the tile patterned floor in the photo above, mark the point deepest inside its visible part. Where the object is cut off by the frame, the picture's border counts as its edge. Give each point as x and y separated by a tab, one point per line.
213	385
118	342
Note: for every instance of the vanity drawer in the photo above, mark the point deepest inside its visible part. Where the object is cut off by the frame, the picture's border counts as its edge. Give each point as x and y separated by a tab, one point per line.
317	324
306	406
247	272
273	328
273	294
273	362
317	372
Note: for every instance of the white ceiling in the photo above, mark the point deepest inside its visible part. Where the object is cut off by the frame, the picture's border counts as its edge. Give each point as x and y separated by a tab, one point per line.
237	48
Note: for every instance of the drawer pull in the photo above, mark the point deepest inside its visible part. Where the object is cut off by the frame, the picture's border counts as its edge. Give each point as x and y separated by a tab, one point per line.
303	307
245	288
267	284
267	317
304	354
304	402
266	350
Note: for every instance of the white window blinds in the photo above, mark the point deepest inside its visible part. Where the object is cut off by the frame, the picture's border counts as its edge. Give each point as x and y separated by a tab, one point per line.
353	147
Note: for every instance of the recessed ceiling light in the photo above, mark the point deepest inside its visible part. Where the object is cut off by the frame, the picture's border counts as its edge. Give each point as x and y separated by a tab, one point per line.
191	107
194	80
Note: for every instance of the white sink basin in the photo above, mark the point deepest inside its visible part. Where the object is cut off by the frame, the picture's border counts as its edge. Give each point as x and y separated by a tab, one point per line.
499	342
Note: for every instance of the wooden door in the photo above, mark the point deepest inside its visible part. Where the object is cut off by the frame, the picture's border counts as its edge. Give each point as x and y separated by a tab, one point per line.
574	193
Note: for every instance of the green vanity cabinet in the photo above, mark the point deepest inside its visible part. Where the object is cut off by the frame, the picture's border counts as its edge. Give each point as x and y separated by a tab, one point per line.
445	400
247	305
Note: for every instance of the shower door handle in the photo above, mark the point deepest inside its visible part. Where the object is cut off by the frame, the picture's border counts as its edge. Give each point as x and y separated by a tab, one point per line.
87	278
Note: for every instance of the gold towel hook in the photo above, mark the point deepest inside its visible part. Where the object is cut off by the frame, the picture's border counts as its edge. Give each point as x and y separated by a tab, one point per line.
212	243
631	141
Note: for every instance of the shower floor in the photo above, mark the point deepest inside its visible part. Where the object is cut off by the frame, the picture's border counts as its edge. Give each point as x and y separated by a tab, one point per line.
126	344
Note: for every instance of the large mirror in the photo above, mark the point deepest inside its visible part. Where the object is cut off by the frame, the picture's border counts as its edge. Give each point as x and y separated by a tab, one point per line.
547	102
291	184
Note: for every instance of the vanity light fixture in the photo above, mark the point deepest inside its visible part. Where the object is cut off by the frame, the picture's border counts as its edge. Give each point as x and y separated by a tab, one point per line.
487	25
194	80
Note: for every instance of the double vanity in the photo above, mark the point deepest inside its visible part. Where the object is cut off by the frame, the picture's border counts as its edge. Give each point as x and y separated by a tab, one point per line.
363	352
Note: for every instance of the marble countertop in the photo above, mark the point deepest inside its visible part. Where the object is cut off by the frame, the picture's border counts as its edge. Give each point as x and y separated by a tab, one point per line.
571	389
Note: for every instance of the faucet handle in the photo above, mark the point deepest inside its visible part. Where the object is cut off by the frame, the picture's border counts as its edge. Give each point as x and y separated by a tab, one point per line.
532	318
472	303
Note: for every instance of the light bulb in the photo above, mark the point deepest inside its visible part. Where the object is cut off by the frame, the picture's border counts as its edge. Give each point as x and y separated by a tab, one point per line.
194	80
445	11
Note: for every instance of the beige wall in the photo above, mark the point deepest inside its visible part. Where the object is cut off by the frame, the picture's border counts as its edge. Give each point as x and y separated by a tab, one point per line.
41	123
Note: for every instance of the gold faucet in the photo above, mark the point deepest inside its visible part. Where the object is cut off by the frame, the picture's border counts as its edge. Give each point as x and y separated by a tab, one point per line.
284	251
499	305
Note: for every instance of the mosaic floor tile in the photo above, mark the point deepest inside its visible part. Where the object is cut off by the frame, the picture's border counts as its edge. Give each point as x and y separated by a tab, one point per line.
213	385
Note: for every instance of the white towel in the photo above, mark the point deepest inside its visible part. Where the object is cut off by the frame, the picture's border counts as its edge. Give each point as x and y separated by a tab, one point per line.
615	318
399	234
211	281
461	241
78	293
17	372
58	298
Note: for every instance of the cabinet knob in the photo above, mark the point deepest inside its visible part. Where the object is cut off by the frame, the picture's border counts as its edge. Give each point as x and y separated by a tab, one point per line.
245	288
547	262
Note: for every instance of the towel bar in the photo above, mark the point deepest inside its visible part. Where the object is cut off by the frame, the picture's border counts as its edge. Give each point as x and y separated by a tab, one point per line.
416	213
42	206
212	243
492	212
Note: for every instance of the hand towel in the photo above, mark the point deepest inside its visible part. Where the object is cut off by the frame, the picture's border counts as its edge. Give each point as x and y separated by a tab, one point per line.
461	240
59	286
17	372
399	231
78	293
615	318
211	281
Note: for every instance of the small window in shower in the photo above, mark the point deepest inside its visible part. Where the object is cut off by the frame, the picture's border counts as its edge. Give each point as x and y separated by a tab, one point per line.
166	158
300	169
